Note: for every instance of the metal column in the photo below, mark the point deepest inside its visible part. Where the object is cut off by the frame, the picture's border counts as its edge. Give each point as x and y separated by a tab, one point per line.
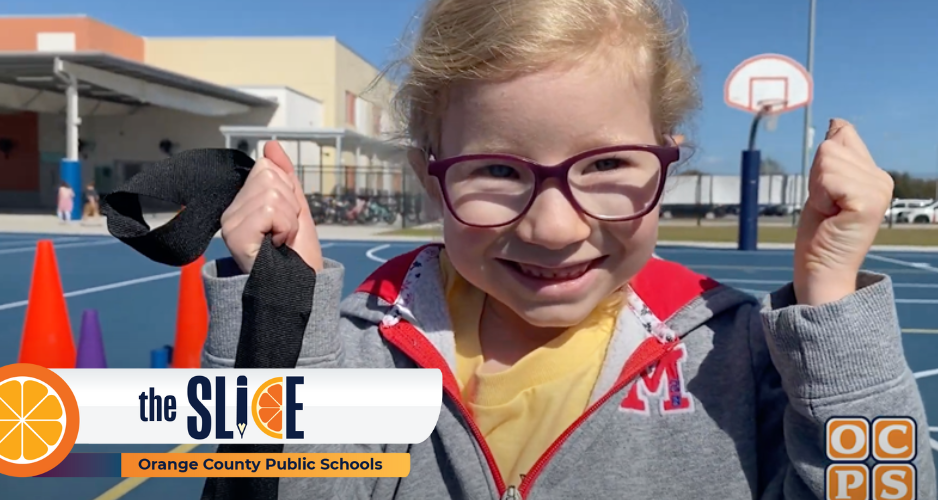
70	166
808	139
338	160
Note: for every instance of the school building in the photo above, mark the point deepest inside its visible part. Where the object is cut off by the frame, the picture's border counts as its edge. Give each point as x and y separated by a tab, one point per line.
88	102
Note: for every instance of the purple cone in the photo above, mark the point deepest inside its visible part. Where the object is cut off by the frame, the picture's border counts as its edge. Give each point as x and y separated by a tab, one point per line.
90	344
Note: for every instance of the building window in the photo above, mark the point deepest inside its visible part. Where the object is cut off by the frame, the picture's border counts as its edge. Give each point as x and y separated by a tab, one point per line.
350	108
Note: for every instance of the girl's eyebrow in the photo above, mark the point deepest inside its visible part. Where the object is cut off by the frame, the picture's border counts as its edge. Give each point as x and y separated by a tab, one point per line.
575	144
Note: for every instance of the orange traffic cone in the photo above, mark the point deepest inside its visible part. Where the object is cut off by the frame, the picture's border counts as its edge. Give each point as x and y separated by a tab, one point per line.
47	333
192	317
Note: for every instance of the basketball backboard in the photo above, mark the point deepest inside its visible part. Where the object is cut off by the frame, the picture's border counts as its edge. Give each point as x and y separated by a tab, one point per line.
768	80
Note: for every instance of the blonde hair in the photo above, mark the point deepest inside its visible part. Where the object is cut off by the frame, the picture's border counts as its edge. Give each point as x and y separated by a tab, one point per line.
465	40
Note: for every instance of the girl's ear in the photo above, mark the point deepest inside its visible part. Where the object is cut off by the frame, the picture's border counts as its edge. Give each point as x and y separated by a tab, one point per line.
419	162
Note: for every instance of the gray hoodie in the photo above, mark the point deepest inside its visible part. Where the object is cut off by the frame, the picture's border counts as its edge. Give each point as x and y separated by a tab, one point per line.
733	406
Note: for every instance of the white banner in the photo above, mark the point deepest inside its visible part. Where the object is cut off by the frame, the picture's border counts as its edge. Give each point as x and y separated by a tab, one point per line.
329	406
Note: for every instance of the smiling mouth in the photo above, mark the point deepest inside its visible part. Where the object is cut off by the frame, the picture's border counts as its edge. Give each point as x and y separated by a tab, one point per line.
563	273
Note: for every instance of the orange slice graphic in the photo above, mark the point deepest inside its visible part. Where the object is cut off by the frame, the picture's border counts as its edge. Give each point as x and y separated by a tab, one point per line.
38	420
267	408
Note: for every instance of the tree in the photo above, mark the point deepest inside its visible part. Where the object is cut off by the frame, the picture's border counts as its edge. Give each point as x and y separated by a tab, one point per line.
770	166
907	186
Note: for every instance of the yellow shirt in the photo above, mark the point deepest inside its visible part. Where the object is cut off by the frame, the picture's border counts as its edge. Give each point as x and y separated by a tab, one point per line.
523	409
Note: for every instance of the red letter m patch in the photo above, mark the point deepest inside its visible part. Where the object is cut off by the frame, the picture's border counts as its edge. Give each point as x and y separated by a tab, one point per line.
672	395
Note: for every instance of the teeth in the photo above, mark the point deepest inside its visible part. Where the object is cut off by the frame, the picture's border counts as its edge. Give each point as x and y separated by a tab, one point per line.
564	273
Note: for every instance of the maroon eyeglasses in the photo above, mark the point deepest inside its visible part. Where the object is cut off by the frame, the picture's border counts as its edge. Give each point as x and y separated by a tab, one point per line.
492	190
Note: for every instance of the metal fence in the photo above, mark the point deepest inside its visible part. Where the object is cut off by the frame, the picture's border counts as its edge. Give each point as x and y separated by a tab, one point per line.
353	194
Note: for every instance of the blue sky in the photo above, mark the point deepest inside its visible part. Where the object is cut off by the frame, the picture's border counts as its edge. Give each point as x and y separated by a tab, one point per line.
875	61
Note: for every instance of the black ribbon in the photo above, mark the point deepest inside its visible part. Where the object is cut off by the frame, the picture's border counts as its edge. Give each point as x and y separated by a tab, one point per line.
278	296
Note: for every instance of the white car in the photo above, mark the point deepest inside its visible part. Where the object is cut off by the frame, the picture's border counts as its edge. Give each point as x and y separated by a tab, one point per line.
922	215
900	206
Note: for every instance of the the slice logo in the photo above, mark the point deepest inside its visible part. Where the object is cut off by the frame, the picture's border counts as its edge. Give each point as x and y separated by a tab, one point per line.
273	408
38	420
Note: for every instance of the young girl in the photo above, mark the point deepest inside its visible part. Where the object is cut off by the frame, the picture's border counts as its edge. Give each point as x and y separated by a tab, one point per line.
576	364
65	202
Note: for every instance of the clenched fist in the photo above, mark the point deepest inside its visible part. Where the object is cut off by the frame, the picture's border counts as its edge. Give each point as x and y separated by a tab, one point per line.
848	195
271	201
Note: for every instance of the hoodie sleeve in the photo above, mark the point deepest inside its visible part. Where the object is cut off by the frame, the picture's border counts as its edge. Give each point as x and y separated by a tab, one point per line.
224	285
322	348
840	359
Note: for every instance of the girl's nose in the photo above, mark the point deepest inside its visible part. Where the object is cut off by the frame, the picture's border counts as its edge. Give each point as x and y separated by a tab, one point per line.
552	221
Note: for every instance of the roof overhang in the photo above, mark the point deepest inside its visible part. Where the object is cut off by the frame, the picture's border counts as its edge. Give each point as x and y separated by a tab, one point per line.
36	81
350	139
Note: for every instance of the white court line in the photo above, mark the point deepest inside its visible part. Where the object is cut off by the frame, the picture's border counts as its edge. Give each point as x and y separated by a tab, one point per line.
929	373
104	288
729	267
352	243
32	248
926	373
915	265
782	282
371	253
96	289
898	301
5	243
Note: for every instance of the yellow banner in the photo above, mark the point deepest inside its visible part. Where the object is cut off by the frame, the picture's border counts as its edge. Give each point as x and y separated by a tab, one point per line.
265	464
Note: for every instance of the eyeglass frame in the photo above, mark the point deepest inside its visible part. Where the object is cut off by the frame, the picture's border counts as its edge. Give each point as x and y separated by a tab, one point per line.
666	155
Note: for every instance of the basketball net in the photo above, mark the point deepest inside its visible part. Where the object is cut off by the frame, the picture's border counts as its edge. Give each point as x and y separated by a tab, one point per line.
771	110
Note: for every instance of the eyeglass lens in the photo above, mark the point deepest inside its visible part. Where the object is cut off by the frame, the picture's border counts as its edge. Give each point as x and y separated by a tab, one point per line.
608	186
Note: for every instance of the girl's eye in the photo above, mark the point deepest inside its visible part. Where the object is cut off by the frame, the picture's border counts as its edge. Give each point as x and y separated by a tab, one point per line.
501	171
608	164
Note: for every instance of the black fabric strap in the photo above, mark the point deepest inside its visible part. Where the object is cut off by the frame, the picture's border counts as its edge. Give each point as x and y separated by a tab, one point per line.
278	296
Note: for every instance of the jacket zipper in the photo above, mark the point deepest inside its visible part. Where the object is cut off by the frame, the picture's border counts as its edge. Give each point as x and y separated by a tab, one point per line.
629	372
406	337
411	342
512	493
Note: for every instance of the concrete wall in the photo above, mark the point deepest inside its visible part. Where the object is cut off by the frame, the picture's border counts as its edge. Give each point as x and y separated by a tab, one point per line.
305	64
321	68
68	33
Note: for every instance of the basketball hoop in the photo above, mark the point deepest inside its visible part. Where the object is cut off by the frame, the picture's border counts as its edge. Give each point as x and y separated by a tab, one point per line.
767	86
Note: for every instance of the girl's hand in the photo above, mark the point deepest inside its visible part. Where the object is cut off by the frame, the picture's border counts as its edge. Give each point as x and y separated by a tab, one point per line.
848	195
271	201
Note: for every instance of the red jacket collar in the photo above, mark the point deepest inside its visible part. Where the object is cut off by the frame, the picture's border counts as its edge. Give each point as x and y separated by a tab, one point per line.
663	285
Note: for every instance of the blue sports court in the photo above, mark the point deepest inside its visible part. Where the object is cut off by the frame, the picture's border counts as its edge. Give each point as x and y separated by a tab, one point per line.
136	300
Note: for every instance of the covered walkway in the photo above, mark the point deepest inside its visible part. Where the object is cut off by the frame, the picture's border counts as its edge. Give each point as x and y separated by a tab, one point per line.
37	87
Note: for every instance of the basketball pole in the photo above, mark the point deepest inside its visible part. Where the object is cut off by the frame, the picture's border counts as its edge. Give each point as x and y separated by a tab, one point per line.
806	146
748	239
